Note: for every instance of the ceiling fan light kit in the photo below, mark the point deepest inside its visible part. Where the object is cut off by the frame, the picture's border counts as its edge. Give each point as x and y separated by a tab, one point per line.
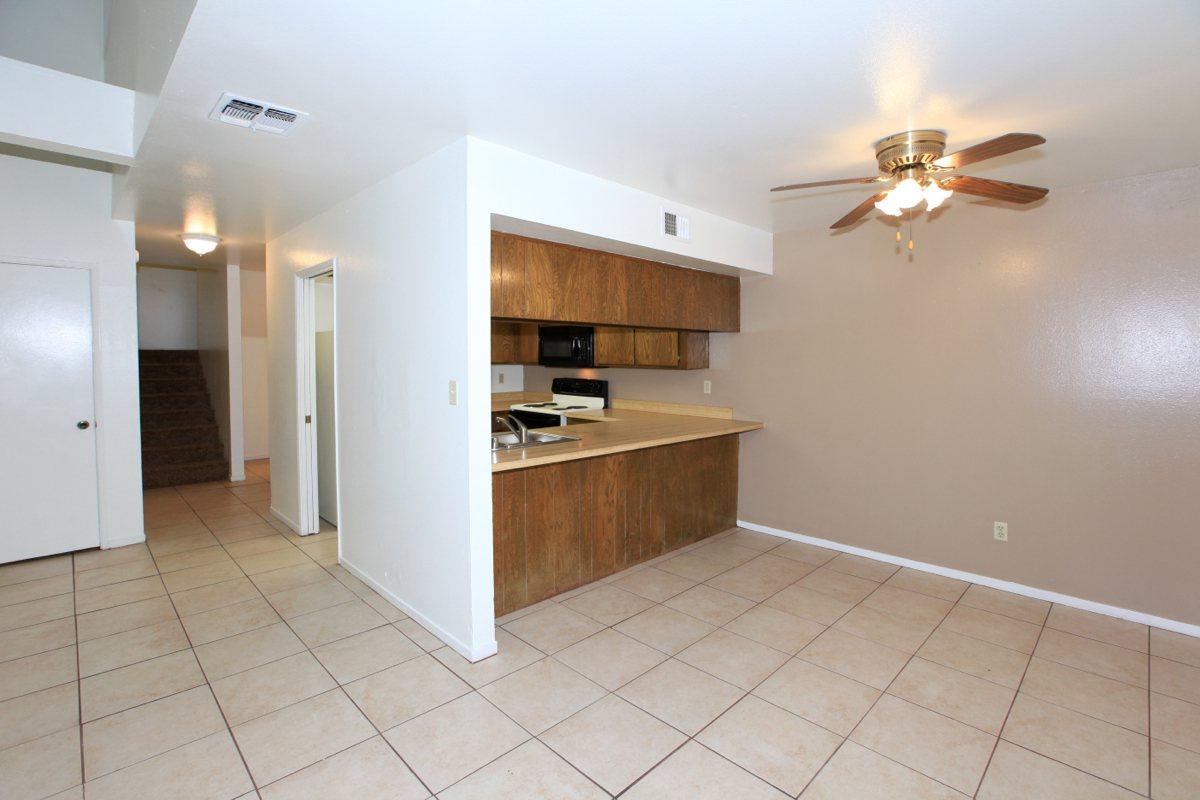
915	164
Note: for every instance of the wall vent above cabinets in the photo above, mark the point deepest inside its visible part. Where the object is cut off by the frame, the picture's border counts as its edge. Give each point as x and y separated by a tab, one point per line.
256	115
675	226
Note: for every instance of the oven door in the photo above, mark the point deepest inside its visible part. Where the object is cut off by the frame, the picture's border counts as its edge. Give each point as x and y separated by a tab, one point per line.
566	346
533	419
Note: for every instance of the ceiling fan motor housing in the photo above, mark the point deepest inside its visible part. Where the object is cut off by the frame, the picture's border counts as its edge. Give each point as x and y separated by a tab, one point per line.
904	151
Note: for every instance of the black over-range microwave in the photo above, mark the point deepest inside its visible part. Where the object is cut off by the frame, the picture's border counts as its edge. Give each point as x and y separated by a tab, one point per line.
566	346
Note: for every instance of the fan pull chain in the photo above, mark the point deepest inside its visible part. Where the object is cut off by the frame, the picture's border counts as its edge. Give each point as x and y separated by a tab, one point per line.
911	243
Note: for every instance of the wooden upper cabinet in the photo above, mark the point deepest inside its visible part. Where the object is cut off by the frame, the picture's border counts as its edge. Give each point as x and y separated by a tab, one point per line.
614	347
514	342
550	282
644	347
656	348
510	255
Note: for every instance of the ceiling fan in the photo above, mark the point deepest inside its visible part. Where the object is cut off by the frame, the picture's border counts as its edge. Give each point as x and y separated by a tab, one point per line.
914	164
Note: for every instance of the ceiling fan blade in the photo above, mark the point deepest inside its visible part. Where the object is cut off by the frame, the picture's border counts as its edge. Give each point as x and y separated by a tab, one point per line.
996	190
1000	146
815	184
859	211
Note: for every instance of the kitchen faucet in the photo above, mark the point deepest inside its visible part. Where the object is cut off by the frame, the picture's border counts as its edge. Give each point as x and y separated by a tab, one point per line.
521	430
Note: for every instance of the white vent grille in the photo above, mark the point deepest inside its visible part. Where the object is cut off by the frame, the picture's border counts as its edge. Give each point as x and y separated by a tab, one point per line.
675	226
256	115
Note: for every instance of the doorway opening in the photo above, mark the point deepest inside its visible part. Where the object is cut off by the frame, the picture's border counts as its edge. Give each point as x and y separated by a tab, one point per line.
316	337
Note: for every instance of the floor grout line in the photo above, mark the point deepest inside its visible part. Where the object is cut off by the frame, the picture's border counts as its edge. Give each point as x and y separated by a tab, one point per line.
472	689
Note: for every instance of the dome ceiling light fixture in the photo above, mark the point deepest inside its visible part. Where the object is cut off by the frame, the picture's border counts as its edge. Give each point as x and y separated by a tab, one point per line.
200	243
914	164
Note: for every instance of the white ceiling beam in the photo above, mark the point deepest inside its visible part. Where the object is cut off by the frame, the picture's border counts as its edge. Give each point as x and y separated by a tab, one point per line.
50	110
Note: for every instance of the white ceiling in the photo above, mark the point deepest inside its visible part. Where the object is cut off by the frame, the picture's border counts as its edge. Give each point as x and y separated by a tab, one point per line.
709	103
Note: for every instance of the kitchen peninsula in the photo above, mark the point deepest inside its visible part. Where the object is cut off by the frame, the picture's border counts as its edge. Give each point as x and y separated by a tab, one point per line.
636	484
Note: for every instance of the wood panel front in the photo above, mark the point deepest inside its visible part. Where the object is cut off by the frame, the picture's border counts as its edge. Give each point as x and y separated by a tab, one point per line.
514	342
614	346
656	348
560	526
550	282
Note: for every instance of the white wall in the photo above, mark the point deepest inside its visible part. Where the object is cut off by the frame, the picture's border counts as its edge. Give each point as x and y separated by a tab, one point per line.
166	308
219	339
514	378
140	47
255	396
402	316
67	35
532	189
56	214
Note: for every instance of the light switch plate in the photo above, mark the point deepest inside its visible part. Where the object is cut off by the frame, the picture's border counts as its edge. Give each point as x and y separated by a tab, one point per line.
1000	531
708	387
453	393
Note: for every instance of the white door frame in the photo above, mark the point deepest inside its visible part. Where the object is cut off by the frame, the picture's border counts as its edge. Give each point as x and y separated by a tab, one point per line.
306	398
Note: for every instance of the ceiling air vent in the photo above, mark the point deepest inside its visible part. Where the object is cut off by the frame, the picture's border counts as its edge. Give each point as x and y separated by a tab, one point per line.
256	115
674	226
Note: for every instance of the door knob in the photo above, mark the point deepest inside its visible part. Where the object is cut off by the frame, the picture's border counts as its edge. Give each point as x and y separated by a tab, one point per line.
83	424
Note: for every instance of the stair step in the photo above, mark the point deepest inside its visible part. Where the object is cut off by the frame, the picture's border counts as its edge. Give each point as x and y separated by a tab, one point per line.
165	401
178	474
164	455
183	369
204	433
176	418
168	356
172	385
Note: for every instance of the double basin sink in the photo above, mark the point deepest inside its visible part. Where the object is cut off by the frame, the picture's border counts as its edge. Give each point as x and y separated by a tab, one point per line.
512	441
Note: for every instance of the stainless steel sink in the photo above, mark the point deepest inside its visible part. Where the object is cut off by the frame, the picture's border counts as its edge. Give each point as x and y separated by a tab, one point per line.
511	441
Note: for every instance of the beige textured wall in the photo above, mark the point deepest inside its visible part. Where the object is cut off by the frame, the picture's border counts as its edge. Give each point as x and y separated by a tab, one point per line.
1036	366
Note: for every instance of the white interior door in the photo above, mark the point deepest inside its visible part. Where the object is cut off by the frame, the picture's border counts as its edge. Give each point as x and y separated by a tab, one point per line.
47	412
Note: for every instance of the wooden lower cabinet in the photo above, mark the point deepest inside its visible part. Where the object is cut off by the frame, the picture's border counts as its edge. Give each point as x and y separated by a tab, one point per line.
563	525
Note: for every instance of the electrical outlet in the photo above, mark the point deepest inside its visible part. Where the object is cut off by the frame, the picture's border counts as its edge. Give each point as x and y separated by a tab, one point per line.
453	393
708	387
500	378
1000	531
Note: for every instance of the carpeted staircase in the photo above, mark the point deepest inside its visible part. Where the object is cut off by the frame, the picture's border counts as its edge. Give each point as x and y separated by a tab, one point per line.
180	439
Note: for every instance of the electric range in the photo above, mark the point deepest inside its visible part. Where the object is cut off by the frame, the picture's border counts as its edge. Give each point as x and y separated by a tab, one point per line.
568	394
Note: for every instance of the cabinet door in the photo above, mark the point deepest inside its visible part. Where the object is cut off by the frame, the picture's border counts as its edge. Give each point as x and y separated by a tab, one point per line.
543	283
649	294
509	266
656	348
504	342
614	347
693	349
609	300
498	255
526	342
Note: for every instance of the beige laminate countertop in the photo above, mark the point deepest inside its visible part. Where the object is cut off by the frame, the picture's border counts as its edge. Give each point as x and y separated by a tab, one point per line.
617	431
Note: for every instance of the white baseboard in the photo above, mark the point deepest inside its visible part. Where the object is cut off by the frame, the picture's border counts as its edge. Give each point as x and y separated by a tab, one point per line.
463	649
108	544
279	515
983	580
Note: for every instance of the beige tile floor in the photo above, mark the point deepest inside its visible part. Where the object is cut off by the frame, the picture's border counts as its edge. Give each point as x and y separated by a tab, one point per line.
230	659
